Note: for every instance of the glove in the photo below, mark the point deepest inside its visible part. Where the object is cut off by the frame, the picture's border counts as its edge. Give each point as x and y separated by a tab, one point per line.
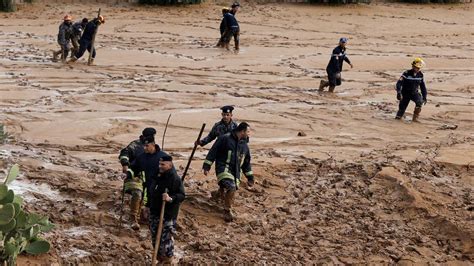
197	143
399	96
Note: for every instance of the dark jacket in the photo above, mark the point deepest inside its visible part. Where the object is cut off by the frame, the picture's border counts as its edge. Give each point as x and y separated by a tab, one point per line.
131	152
220	128
337	59
409	83
231	156
231	23
64	34
77	29
173	183
147	166
89	31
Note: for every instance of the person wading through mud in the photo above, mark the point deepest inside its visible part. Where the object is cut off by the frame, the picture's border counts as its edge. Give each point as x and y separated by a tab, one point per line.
144	168
225	125
168	179
232	27
232	155
222	27
408	89
334	67
77	29
134	185
85	43
64	39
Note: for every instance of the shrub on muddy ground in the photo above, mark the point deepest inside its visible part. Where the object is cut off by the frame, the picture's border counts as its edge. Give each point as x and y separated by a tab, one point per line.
19	230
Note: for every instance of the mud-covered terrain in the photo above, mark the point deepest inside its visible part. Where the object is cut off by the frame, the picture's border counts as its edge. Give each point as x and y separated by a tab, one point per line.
338	179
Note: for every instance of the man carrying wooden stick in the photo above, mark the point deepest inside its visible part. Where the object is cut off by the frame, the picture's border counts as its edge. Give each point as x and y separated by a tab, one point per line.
167	180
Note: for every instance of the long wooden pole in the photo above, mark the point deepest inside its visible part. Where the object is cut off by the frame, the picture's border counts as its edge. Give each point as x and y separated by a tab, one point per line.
158	233
192	153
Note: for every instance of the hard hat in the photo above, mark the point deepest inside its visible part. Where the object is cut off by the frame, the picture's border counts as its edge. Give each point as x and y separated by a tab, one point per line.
101	19
67	18
225	9
418	63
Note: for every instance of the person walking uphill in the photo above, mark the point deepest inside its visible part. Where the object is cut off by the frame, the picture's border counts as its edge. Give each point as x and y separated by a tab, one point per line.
225	125
334	67
85	43
64	39
134	185
170	181
232	155
144	169
408	89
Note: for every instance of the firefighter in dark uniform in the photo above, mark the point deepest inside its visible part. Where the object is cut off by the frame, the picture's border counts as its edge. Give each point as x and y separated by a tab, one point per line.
220	128
222	27
77	29
232	155
168	179
64	39
85	43
232	27
408	89
334	67
134	186
143	169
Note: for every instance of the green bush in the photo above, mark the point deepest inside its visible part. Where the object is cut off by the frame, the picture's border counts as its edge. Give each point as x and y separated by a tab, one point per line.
19	230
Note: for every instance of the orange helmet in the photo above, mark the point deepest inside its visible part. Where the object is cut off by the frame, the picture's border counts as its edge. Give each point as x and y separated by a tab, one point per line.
67	18
101	19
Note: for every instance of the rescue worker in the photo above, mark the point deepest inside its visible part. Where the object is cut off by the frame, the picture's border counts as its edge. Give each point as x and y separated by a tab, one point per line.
225	125
64	39
334	67
134	185
85	43
408	89
232	155
77	29
232	27
222	27
143	169
168	179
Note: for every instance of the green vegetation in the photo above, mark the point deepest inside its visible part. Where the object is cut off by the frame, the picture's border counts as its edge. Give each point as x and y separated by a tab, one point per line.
7	5
19	230
3	135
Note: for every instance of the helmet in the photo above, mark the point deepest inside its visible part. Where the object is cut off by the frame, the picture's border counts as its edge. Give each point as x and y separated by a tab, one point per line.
67	18
418	63
225	9
101	19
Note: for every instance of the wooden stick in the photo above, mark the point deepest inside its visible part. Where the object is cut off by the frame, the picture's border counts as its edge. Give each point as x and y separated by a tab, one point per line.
158	233
192	153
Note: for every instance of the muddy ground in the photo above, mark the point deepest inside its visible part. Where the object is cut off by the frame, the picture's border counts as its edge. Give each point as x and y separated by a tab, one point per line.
356	187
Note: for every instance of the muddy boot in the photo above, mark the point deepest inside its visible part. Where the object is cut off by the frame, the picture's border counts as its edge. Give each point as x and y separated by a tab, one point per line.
226	46
217	195
331	88
166	260
55	56
135	205
73	59
323	84
229	216
416	114
398	117
90	62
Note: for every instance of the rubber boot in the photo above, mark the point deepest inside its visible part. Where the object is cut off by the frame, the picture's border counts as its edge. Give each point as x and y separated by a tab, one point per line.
331	88
228	201
135	205
323	84
217	195
416	114
73	59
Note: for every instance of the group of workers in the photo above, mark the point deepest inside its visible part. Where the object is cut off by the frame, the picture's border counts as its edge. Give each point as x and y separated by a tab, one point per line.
80	34
229	27
151	179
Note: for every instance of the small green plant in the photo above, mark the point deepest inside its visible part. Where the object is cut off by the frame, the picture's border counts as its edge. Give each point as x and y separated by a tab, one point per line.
4	136
19	230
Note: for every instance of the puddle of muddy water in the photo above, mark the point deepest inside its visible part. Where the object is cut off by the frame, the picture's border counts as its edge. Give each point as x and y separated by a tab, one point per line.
26	189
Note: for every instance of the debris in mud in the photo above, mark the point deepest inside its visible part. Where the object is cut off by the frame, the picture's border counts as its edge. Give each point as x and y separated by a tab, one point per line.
447	127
